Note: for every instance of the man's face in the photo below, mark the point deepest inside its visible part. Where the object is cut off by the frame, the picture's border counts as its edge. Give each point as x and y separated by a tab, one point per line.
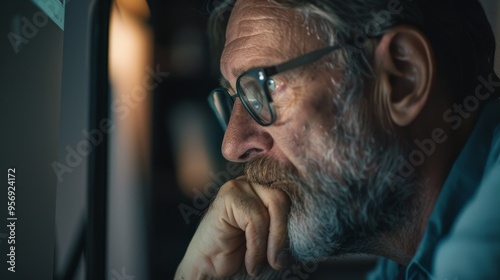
321	150
259	35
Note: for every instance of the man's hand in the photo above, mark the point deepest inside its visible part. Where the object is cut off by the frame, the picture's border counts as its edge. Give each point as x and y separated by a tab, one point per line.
245	229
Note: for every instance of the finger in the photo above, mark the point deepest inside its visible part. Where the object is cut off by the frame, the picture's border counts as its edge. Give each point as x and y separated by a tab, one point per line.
251	215
278	205
255	256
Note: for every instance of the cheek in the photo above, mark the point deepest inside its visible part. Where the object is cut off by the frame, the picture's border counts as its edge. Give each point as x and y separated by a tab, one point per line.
317	114
294	147
304	137
303	107
306	117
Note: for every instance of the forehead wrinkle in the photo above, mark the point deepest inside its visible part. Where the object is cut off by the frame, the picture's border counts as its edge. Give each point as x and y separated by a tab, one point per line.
243	58
273	30
269	25
243	54
251	44
257	17
260	34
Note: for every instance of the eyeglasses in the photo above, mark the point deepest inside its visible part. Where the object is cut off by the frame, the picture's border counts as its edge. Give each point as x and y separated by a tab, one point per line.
253	89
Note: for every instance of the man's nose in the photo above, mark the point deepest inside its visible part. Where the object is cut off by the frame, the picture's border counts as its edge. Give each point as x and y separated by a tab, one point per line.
244	138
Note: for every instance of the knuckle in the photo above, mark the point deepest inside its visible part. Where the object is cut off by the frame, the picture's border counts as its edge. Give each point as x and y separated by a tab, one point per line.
226	189
248	204
256	235
280	198
277	196
232	186
238	195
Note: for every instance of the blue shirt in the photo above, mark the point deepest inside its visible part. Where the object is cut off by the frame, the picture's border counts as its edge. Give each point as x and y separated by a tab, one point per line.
462	238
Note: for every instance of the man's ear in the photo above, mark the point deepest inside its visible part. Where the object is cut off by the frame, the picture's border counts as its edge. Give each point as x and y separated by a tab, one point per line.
405	68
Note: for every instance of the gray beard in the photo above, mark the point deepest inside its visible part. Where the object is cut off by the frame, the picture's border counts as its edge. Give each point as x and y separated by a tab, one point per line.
344	200
332	217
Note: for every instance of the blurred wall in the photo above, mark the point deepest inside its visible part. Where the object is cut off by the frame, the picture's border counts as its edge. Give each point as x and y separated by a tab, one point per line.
71	198
133	77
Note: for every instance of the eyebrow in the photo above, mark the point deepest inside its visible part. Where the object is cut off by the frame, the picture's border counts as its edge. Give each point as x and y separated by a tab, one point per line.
225	83
236	72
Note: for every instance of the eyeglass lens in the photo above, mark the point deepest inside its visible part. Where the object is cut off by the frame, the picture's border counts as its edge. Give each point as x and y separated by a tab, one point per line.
255	97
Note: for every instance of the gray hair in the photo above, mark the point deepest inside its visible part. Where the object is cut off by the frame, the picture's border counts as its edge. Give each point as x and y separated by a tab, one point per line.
458	30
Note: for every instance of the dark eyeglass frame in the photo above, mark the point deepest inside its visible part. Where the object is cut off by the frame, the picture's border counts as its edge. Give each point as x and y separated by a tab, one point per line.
263	75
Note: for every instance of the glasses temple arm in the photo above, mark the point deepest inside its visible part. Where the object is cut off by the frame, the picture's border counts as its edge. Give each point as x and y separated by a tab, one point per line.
302	60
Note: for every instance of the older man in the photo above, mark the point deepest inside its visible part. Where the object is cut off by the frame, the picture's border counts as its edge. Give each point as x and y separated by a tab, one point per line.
365	126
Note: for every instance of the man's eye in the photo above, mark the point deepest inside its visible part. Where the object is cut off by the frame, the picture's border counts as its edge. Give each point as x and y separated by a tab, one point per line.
271	85
274	86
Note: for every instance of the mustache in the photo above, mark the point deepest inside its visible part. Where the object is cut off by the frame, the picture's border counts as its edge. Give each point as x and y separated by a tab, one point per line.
266	171
277	175
274	174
